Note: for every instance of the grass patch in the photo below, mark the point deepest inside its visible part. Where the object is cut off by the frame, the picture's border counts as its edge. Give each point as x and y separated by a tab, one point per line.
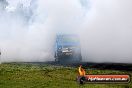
14	75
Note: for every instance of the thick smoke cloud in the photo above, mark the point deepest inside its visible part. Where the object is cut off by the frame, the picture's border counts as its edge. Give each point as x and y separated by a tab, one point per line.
106	31
28	29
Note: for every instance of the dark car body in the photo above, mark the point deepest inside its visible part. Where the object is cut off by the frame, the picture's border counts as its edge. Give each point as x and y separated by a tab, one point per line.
67	48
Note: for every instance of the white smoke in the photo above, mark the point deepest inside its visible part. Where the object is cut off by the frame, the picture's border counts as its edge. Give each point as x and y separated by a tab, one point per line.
23	36
28	29
106	31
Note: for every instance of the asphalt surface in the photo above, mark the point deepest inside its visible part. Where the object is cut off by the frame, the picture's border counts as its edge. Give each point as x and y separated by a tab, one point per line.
101	66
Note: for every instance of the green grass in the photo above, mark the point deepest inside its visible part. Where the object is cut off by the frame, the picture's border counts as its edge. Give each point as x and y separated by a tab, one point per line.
14	75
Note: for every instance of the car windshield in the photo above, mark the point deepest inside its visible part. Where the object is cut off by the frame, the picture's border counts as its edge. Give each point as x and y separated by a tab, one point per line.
70	39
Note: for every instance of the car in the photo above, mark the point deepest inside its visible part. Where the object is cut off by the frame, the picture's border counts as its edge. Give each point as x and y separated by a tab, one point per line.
67	48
